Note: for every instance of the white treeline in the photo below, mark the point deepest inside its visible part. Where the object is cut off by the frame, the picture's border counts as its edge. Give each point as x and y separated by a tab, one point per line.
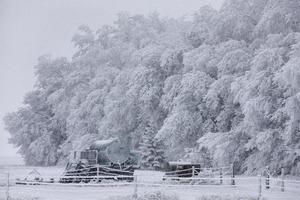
225	85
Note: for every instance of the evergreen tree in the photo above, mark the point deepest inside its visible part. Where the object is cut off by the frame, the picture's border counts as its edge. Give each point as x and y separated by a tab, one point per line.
159	156
151	150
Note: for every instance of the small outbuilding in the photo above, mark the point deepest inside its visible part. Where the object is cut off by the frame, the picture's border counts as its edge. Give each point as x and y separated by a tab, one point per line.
34	175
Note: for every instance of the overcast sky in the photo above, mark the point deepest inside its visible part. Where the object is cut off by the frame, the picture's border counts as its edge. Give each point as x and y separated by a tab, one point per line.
32	28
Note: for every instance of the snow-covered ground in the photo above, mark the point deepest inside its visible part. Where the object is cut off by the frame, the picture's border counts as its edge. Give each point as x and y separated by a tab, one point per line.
147	181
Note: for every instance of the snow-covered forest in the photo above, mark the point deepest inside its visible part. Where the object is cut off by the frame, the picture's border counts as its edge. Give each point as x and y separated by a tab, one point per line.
222	87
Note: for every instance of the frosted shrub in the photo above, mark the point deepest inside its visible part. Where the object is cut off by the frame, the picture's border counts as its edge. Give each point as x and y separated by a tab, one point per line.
149	196
158	196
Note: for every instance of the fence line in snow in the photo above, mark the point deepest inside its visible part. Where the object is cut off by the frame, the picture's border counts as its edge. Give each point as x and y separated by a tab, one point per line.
281	183
256	182
174	179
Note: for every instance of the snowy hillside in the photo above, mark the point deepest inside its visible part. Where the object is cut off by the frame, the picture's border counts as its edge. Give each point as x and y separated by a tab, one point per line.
218	89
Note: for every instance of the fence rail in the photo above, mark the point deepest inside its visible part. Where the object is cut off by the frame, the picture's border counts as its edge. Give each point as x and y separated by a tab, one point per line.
222	179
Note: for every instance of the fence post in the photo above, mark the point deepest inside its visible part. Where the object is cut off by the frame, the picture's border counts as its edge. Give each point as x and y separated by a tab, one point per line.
232	175
193	171
135	193
259	188
221	176
282	179
267	178
97	173
7	188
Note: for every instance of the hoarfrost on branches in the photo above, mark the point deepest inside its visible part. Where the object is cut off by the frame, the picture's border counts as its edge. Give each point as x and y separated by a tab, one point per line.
228	79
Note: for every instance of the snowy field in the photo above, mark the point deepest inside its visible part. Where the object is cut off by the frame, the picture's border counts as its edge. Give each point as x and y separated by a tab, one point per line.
147	182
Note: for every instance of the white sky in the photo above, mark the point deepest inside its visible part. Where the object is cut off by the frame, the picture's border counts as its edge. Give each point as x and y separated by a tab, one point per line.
31	28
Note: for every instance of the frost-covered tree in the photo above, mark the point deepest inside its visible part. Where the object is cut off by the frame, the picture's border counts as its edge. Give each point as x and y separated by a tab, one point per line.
152	151
278	16
224	83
